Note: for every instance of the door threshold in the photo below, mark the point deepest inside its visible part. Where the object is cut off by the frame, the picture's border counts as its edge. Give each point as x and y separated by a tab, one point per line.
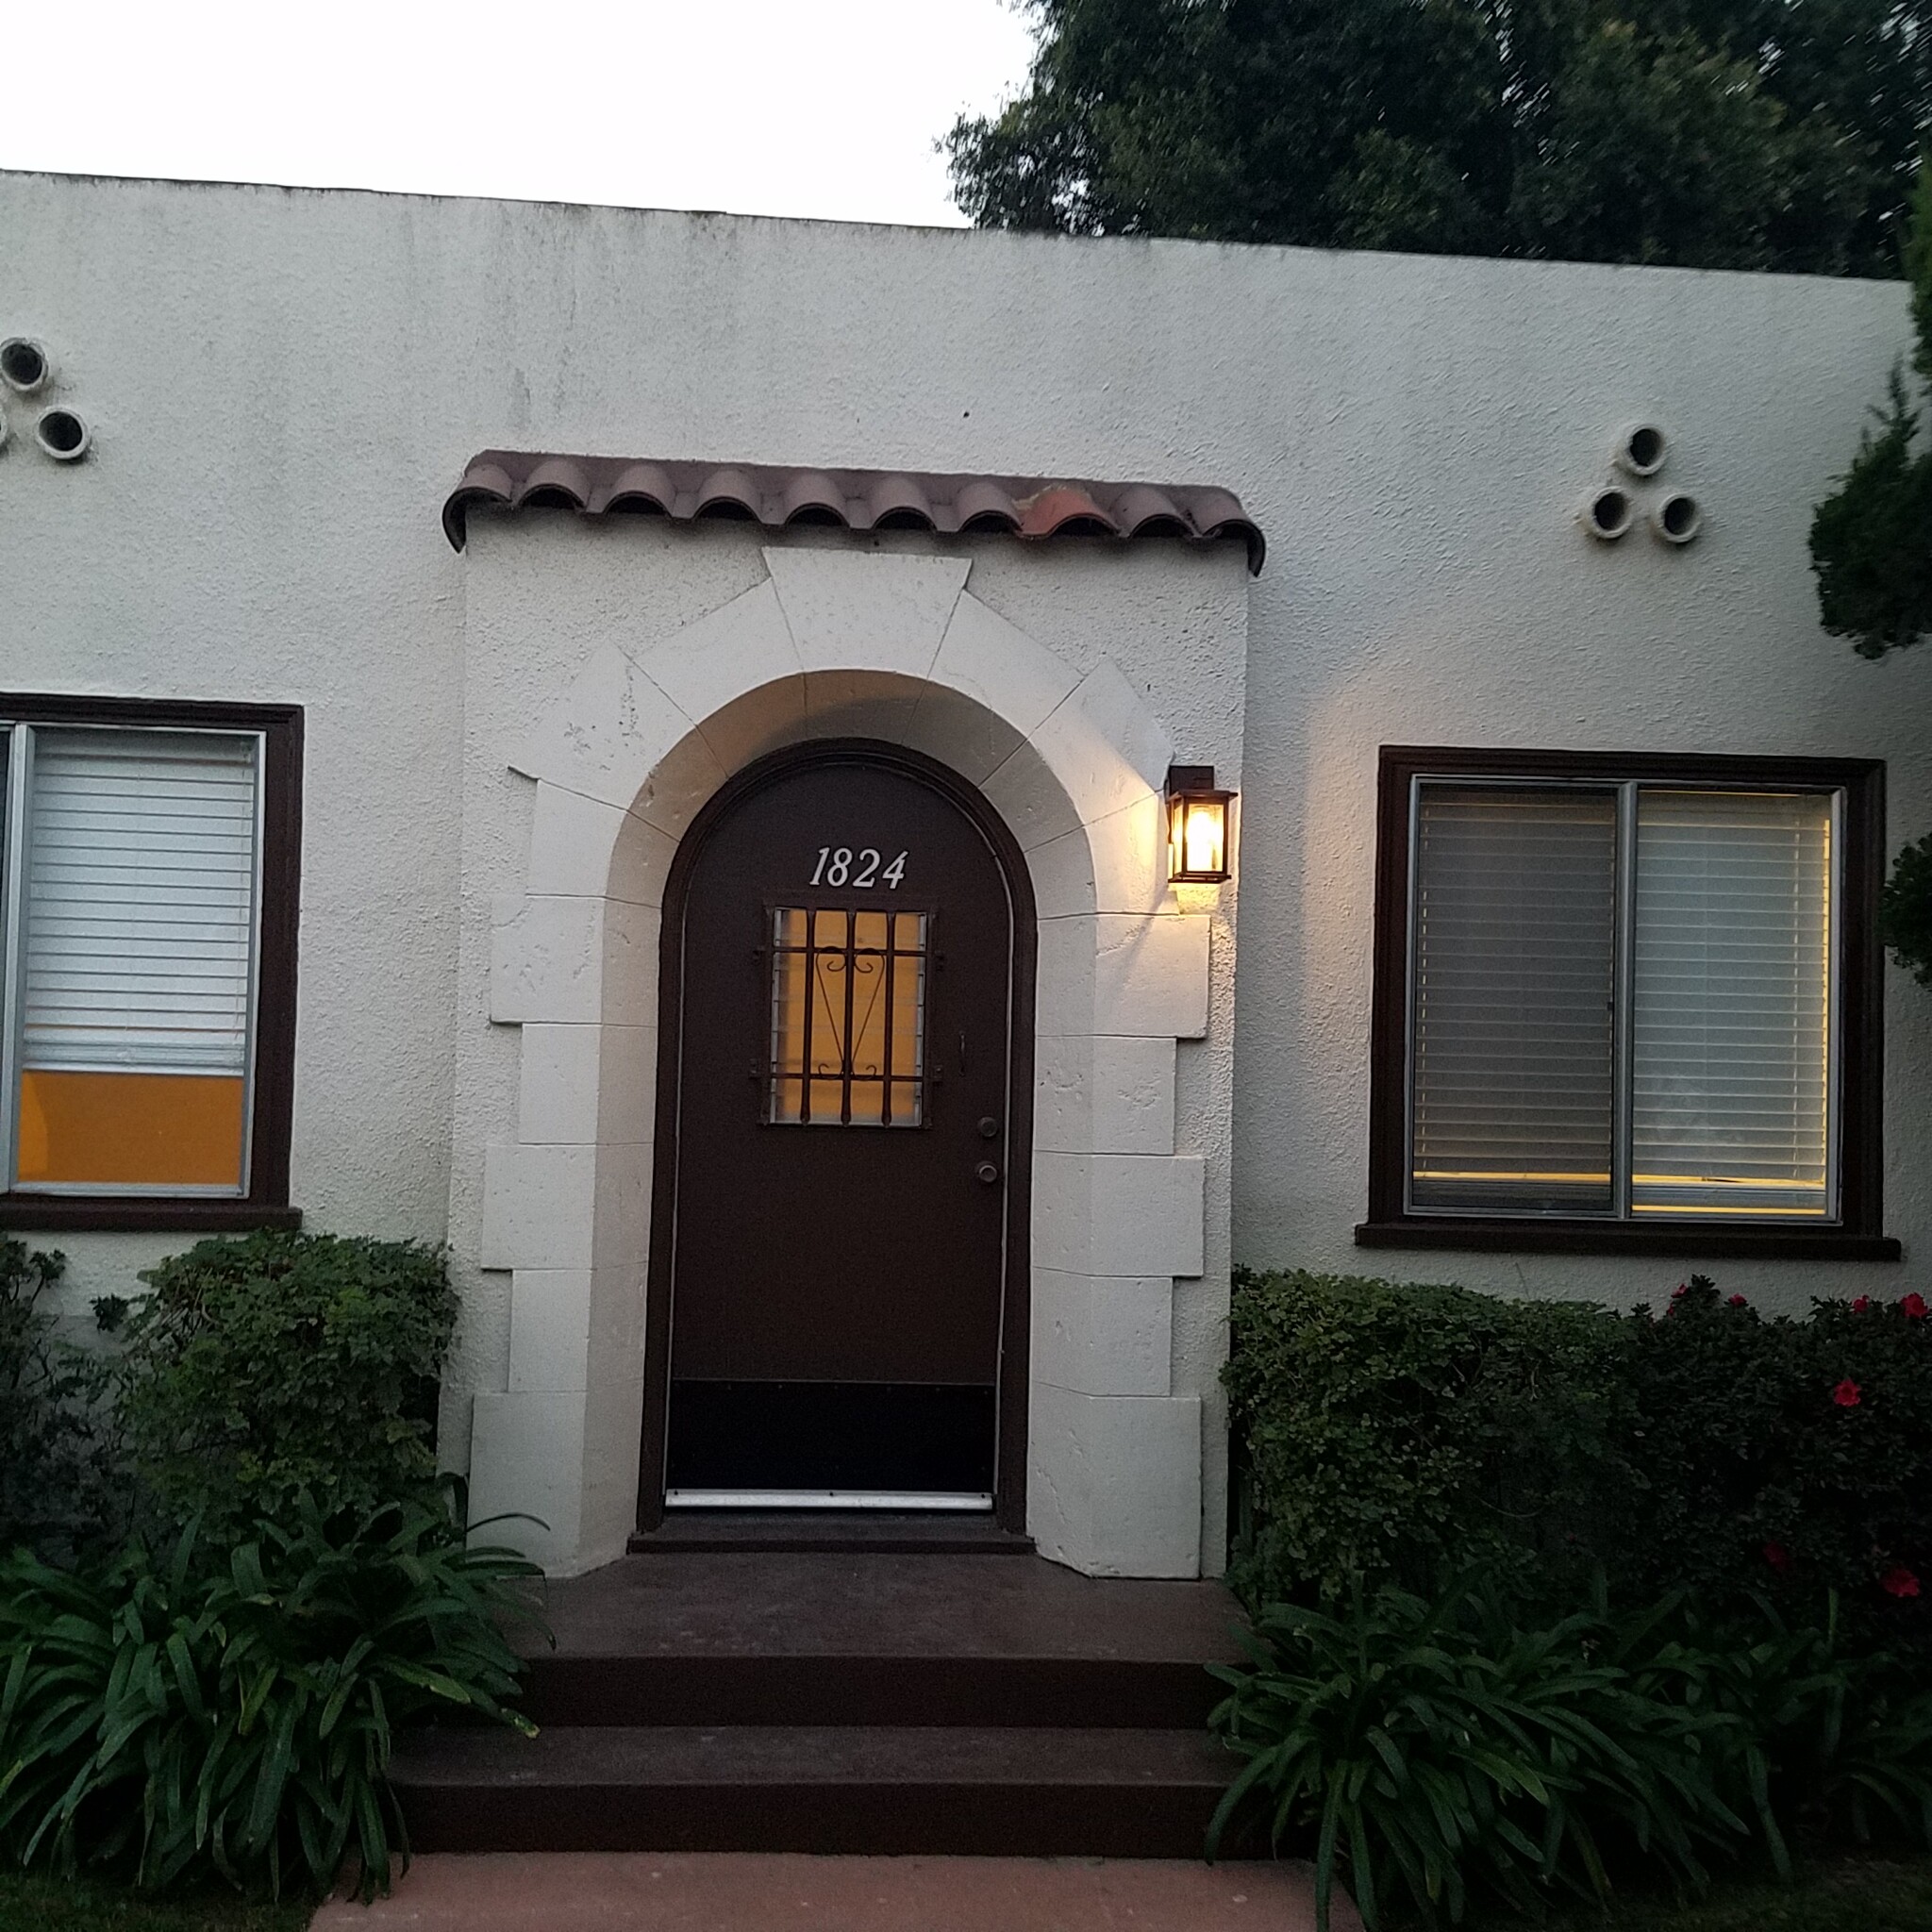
832	1532
903	1502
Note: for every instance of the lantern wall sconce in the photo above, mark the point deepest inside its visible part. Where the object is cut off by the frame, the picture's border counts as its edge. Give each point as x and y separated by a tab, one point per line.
1199	826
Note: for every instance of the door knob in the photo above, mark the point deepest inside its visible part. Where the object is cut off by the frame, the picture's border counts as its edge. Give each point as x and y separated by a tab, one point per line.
987	1171
988	1128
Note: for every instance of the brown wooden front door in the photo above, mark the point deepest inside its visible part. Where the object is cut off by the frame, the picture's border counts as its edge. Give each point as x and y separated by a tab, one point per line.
845	1007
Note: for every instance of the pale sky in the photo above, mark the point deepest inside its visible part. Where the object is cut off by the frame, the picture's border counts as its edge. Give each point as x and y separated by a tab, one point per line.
826	107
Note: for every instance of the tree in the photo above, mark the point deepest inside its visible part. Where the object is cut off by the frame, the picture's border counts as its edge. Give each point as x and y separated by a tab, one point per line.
1872	553
1710	133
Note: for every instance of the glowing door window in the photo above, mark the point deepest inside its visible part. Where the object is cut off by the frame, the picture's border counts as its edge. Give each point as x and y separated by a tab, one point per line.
848	1018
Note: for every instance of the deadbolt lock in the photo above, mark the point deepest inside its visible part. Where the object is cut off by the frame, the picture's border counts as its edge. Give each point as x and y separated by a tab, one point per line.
989	1127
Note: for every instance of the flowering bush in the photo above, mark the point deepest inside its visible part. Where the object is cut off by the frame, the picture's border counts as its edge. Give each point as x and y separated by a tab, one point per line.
1401	1433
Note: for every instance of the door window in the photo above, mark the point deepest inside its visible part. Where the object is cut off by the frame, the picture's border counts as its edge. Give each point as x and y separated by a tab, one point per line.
848	1018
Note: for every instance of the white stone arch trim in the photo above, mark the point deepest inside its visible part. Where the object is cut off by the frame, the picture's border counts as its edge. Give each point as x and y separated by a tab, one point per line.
846	642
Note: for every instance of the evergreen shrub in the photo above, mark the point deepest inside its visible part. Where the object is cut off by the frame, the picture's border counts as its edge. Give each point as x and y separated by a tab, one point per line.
280	1365
1403	1435
57	1483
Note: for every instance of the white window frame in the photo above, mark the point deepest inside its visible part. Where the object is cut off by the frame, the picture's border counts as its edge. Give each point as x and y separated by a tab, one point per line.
16	873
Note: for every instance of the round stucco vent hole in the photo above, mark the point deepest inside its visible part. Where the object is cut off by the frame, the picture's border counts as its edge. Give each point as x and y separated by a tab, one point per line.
24	364
1607	514
1679	518
1641	448
63	435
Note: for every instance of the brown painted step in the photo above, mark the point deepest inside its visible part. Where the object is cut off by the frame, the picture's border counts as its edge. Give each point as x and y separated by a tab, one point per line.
920	1788
852	1532
721	1637
1028	1692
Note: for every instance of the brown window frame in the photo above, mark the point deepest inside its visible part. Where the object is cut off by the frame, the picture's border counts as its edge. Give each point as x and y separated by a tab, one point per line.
266	1203
1857	1235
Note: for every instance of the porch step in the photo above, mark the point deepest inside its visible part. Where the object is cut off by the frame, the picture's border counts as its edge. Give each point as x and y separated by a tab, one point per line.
964	1789
838	1701
733	1638
869	1690
835	1532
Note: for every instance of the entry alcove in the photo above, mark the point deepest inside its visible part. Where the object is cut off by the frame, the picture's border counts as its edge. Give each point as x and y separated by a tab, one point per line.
672	662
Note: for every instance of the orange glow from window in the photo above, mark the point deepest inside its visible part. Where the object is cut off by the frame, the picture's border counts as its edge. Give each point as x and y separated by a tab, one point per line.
143	1130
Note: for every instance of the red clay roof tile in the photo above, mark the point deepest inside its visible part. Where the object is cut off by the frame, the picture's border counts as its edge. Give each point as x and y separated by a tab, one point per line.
1031	507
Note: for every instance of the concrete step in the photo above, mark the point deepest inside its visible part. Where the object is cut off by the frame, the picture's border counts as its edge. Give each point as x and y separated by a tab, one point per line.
781	1891
943	1788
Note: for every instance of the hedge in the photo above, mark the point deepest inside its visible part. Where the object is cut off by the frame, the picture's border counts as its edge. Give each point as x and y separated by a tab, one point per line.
1397	1434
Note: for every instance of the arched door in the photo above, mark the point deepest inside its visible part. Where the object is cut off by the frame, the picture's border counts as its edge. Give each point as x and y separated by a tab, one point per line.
838	1285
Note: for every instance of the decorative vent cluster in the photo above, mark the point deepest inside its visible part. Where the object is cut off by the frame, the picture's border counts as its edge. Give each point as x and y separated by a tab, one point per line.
1640	451
28	370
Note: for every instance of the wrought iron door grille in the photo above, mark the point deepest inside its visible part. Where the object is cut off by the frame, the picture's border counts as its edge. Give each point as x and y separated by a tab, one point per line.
848	1018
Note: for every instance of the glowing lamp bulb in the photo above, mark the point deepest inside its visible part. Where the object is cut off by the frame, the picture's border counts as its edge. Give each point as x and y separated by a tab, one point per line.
1197	825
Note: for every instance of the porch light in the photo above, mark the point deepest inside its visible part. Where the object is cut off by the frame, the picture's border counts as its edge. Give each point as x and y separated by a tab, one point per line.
1198	827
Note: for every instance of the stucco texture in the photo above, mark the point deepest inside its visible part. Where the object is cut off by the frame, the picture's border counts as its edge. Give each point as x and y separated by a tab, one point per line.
283	386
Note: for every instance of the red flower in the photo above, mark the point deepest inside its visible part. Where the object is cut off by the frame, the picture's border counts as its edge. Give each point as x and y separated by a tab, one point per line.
1738	1301
1914	1305
1899	1581
1863	1303
1682	1288
1778	1558
1846	1395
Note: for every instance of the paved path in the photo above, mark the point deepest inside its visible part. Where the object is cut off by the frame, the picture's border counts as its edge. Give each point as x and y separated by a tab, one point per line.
697	1892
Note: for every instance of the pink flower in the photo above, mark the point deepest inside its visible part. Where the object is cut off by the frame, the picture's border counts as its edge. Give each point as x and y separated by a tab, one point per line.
1682	1288
1846	1395
1914	1305
1861	1305
1899	1581
1778	1558
1738	1301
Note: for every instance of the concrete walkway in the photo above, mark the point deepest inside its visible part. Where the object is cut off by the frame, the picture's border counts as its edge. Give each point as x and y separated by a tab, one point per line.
783	1891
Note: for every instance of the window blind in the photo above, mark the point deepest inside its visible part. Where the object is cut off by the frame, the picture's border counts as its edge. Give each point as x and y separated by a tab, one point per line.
1515	968
1731	1013
140	906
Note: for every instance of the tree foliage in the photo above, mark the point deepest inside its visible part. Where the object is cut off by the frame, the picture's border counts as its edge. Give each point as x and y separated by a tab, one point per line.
1777	133
1871	551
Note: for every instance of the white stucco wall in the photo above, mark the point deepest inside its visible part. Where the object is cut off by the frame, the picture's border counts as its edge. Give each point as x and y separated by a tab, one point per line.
283	386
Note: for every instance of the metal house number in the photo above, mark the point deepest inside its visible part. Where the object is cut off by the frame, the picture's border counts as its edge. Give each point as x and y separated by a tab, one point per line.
839	866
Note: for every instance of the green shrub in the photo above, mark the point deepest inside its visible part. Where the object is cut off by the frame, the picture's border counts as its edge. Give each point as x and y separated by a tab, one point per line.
1396	1432
1406	1434
1437	1749
1445	1752
1785	1456
178	1718
286	1364
1836	1745
55	1478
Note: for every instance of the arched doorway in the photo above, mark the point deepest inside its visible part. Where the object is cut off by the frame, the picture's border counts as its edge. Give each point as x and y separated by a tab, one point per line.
838	1305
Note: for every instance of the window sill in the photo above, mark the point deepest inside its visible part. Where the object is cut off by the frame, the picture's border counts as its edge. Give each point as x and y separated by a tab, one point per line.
1620	1238
126	1214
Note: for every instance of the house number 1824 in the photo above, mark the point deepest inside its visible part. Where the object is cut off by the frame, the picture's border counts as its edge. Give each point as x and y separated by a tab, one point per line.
839	866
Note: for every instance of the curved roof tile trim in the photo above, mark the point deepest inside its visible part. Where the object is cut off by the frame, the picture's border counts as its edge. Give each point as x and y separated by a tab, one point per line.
1030	508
